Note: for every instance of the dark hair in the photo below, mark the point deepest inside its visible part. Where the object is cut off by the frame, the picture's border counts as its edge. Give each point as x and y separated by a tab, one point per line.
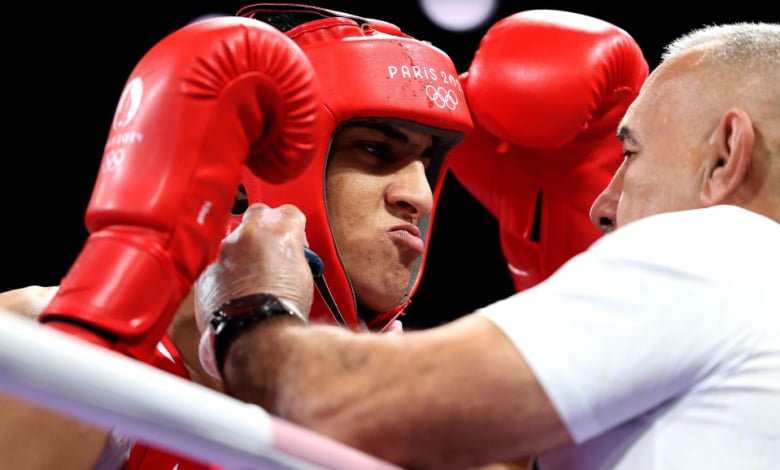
283	21
284	16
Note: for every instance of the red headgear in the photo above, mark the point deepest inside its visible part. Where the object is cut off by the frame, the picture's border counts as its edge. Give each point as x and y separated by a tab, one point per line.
368	69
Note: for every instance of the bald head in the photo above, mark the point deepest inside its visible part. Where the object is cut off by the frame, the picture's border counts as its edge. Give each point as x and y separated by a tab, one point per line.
739	65
704	130
726	81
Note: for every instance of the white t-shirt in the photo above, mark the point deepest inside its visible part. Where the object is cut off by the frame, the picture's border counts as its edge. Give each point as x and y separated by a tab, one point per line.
660	345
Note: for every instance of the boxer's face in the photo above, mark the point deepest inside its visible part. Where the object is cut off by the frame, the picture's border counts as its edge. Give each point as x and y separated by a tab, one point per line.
376	190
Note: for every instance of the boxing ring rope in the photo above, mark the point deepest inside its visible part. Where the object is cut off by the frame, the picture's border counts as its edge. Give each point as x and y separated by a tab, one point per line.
111	391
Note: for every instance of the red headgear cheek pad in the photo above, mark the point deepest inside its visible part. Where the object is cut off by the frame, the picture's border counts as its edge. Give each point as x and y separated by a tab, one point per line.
367	70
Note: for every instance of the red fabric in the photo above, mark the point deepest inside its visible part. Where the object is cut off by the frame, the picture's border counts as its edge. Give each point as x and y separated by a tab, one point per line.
146	457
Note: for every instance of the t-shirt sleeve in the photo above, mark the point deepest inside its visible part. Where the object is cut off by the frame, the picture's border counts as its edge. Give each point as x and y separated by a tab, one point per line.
621	328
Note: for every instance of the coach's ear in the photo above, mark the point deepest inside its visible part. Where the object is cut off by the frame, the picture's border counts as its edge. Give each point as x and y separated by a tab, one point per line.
730	158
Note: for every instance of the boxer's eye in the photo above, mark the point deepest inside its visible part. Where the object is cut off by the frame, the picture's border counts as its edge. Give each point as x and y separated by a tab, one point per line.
377	149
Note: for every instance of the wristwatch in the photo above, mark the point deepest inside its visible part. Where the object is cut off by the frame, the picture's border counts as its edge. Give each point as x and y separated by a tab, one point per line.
238	314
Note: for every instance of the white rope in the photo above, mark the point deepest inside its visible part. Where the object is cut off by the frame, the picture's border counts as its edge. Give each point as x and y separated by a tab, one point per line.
111	391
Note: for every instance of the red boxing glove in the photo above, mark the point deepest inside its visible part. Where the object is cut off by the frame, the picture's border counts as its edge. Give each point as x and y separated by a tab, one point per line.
547	90
204	101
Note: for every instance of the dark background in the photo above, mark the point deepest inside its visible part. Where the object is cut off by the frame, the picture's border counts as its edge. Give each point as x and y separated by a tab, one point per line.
64	69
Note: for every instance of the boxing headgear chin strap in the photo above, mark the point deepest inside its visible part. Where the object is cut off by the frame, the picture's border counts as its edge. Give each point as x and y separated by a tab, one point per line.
369	70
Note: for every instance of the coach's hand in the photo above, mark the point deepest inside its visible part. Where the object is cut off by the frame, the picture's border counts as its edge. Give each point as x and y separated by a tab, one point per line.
262	255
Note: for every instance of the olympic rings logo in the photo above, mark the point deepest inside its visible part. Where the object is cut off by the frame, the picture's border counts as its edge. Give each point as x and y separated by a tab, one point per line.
442	97
113	159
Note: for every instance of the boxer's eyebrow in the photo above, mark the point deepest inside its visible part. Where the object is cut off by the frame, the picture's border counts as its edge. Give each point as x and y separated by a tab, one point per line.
390	131
399	136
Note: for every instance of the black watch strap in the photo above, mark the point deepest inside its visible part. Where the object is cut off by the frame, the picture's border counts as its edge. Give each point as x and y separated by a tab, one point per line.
238	314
